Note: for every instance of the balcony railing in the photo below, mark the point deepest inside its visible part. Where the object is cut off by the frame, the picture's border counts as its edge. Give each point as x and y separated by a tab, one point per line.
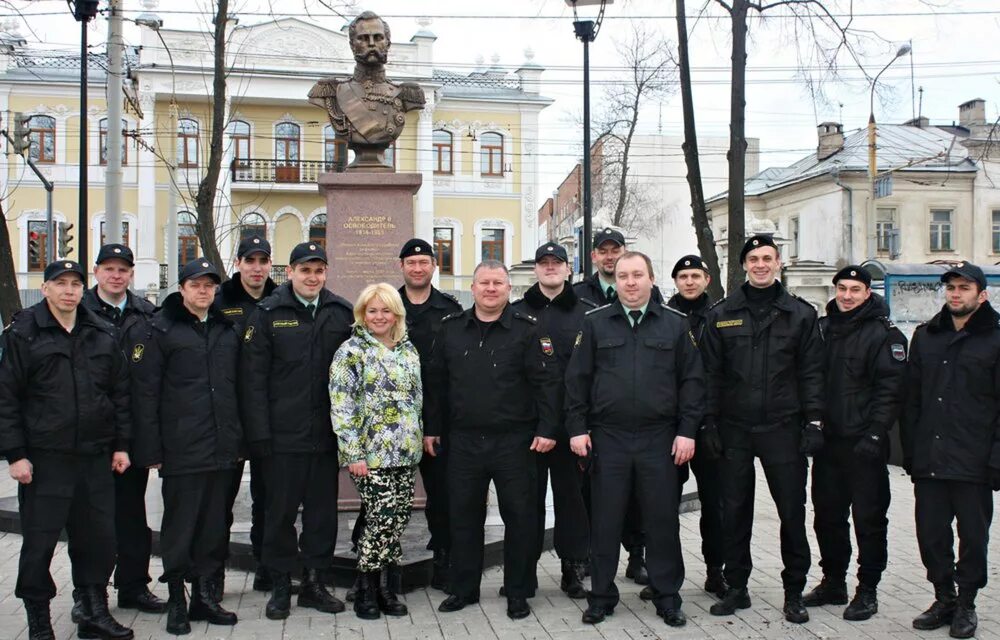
279	171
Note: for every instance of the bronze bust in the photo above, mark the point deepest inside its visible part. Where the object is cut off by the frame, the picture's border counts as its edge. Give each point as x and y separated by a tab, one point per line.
367	110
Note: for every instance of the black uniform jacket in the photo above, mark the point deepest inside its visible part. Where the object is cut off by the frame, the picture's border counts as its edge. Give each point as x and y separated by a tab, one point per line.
423	321
559	319
62	392
187	415
649	378
285	371
951	419
505	380
592	291
133	325
767	374
696	311
865	368
235	303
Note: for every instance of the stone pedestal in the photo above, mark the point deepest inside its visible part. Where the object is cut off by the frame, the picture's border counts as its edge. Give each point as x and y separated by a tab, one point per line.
811	280
368	218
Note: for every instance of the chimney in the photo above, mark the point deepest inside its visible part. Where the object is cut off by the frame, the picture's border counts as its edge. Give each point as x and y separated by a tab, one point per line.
831	139
972	113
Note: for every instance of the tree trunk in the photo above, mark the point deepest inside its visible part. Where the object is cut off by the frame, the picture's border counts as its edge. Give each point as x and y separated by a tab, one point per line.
737	144
10	298
699	217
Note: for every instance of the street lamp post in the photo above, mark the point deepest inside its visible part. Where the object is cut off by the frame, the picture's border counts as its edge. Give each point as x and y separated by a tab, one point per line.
872	155
586	32
84	11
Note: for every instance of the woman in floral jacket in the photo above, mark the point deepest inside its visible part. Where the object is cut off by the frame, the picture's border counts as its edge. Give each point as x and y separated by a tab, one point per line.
375	404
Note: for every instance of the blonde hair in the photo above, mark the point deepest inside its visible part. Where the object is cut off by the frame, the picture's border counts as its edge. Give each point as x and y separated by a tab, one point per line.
390	298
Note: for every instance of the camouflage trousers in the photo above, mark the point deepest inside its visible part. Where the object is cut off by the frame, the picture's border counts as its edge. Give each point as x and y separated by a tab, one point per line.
387	496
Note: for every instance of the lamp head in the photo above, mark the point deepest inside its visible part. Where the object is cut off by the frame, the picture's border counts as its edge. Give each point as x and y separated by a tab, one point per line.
904	50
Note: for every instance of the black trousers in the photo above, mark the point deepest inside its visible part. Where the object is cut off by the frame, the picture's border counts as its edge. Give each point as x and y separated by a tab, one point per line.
571	535
786	472
235	482
624	460
938	504
72	492
707	474
844	484
475	460
258	506
308	480
194	523
434	471
135	538
632	533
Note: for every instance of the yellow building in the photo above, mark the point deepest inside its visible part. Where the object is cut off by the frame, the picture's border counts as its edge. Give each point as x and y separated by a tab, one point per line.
475	143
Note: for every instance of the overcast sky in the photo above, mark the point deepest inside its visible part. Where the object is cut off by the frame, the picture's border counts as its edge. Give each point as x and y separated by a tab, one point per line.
955	58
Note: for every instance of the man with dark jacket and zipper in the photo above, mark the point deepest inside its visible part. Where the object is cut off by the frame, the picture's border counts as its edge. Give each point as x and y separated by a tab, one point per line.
65	425
560	316
112	301
188	427
236	299
951	444
288	346
865	367
764	364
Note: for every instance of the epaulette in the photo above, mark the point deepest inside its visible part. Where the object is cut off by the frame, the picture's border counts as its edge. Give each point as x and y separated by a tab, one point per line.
452	316
588	302
524	316
715	304
597	309
803	300
518	301
450	297
669	308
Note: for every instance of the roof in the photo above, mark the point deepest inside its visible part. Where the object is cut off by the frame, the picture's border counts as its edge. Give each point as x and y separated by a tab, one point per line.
45	65
484	85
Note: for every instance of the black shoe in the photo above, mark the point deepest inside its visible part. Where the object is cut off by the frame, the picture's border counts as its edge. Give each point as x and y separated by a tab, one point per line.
387	601
940	612
439	570
218	584
314	594
177	610
455	603
76	614
366	597
794	610
98	621
864	604
141	599
262	580
572	579
517	608
715	582
596	613
280	604
39	620
673	617
352	593
826	592
203	604
965	620
647	594
635	570
734	599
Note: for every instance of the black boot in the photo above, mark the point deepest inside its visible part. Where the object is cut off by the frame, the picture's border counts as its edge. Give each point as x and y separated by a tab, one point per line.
715	581
218	584
864	605
572	579
76	614
313	594
97	621
352	593
794	609
366	601
941	611
828	591
387	601
262	579
177	611
965	621
280	604
636	568
734	599
204	606
439	570
142	599
39	620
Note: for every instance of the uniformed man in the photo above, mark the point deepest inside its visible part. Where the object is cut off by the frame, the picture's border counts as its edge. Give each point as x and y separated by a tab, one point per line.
188	427
865	365
951	444
289	343
560	315
65	424
112	301
764	364
636	383
236	299
494	382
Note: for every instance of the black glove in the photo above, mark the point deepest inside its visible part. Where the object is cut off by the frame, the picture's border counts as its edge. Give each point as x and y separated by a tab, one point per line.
709	442
260	448
872	445
812	439
995	478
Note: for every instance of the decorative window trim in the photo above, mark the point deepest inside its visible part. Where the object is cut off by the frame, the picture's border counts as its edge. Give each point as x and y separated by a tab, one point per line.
508	238
31	215
457	232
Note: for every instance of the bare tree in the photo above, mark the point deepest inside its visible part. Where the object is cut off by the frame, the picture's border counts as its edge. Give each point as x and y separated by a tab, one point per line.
10	298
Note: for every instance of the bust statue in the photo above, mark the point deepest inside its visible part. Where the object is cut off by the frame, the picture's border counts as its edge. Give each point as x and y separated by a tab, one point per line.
367	110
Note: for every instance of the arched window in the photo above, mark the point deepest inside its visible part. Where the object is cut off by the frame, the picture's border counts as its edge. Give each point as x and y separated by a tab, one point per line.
491	150
239	133
442	151
317	229
187	143
444	240
390	155
103	127
253	224
43	139
187	237
286	147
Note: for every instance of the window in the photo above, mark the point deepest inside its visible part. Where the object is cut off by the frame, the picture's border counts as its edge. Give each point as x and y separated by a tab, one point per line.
491	150
317	230
390	155
104	239
793	235
187	144
334	150
103	128
940	230
187	237
885	227
240	135
493	244
443	239
286	144
442	151
43	139
996	231
253	224
38	236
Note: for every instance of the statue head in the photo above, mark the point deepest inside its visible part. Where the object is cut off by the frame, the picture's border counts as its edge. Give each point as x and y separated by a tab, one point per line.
370	39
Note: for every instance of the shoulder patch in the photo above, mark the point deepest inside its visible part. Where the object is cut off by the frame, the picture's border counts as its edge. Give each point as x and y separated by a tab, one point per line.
723	324
233	311
579	339
898	351
547	347
248	334
137	352
598	309
671	309
284	324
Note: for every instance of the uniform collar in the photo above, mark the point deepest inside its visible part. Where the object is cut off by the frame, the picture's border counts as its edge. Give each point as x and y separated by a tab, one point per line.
566	299
738	299
504	319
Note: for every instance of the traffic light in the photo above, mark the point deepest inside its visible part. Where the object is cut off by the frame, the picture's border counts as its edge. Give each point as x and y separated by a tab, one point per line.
21	140
64	239
85	10
34	248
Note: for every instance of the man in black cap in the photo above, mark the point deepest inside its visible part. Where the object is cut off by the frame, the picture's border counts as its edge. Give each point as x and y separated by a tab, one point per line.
65	425
288	345
188	427
865	366
236	299
560	316
112	301
764	364
951	444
